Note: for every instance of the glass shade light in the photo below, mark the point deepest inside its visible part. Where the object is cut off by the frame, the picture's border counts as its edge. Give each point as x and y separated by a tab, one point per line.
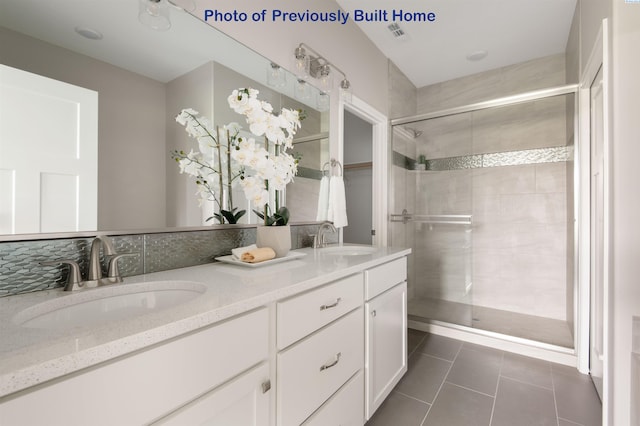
325	78
323	101
276	76
345	90
301	62
154	14
302	91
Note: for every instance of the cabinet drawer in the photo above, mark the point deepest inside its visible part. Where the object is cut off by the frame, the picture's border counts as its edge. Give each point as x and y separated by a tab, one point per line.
381	278
344	408
304	314
314	369
140	388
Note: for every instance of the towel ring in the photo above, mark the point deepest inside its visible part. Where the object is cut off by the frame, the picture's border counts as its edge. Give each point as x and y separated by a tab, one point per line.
333	163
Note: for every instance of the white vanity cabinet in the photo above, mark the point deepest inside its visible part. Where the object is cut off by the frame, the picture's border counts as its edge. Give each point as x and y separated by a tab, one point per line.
144	387
325	354
386	331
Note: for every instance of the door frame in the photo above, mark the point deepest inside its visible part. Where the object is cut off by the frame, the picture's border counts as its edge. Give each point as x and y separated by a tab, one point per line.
598	58
380	136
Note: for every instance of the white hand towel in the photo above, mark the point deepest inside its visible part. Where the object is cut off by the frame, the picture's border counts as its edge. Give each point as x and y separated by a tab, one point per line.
337	212
323	199
238	252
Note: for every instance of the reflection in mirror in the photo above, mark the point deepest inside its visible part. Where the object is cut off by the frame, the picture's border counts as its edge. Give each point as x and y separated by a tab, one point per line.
143	79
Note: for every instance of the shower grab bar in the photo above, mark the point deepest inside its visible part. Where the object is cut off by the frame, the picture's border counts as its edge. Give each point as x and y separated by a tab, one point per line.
441	219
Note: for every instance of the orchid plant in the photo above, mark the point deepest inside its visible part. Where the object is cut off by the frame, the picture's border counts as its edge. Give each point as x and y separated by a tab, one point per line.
264	167
211	165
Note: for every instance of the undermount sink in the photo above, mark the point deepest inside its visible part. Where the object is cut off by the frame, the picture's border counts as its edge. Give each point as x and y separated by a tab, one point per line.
348	250
107	304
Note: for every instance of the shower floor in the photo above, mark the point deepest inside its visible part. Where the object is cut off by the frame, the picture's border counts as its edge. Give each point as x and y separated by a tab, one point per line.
552	331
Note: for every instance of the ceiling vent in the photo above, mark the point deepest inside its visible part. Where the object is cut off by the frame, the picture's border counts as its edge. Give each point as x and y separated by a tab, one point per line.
396	31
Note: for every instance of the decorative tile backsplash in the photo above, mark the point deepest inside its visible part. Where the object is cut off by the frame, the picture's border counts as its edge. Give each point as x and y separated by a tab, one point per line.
21	272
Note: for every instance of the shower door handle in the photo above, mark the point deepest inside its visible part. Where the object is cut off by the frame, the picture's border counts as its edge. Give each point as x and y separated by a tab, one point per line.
403	217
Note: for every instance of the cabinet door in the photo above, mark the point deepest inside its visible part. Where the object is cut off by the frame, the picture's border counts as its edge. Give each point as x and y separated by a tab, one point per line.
243	401
386	355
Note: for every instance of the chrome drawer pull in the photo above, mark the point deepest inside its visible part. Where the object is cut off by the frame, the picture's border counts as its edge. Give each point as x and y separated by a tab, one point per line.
327	366
333	305
266	386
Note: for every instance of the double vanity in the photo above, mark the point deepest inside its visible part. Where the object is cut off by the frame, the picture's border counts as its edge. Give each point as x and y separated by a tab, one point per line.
316	340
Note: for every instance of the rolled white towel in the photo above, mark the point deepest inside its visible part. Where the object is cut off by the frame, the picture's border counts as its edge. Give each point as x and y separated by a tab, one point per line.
238	252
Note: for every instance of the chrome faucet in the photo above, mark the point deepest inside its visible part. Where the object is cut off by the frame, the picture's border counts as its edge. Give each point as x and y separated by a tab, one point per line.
95	277
95	270
319	240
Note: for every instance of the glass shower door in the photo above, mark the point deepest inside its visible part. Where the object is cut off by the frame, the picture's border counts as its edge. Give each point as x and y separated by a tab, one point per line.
431	204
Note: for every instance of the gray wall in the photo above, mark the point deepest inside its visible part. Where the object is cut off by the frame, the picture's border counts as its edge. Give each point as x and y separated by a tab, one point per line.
536	74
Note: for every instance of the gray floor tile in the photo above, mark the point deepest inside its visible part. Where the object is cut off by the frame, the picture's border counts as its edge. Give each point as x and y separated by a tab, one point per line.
566	370
480	348
476	370
523	404
440	346
399	410
424	377
563	422
577	399
524	396
456	406
414	338
526	369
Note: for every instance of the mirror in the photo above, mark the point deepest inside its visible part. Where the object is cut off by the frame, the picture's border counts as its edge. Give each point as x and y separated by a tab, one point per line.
144	78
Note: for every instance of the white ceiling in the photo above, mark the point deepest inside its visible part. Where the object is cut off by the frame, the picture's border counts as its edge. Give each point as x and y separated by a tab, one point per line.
511	31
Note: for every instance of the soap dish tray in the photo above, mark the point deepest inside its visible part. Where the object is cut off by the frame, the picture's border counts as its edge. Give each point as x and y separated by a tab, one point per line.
231	260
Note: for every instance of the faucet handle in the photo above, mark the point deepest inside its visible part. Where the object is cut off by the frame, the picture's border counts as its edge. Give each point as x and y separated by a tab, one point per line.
113	272
74	280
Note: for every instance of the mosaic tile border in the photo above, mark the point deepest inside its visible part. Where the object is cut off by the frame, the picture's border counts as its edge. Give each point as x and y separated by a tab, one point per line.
21	272
498	159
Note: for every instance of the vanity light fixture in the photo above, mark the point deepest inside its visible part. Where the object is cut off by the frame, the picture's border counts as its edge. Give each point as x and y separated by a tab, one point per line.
323	101
318	67
301	90
276	76
154	14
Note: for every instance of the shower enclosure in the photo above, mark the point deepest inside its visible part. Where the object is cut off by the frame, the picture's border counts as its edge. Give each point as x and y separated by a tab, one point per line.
483	194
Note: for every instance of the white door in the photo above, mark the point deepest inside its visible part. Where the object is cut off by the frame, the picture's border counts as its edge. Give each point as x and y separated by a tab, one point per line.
48	155
597	237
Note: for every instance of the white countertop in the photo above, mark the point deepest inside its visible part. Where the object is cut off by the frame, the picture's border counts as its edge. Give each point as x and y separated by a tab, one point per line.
31	356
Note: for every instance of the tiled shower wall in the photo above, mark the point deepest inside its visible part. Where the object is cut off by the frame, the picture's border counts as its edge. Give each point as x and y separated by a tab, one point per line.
21	272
